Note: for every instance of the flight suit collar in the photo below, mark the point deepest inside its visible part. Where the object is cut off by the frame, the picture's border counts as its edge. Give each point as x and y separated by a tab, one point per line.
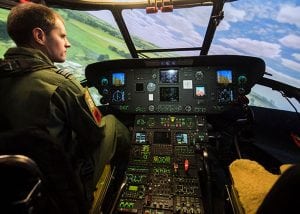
21	60
27	53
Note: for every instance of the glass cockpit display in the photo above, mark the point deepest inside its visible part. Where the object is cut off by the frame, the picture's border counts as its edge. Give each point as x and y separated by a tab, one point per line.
162	138
140	137
118	79
117	92
168	76
224	76
182	138
199	91
169	94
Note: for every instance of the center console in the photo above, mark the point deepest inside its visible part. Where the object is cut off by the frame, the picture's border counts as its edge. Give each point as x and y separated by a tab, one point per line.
164	164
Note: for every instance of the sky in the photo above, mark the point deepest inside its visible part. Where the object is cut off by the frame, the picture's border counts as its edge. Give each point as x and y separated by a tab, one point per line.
266	29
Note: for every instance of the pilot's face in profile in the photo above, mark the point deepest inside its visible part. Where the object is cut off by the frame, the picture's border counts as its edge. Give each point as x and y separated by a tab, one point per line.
56	43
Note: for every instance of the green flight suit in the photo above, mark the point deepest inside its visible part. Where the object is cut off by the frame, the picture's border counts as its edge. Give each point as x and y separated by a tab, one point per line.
36	93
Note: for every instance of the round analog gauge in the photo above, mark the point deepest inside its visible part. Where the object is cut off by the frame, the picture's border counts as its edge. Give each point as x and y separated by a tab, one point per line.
104	81
199	75
118	96
151	87
105	91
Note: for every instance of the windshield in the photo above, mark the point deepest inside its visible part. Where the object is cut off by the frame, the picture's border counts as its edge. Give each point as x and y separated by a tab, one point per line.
266	29
165	31
169	30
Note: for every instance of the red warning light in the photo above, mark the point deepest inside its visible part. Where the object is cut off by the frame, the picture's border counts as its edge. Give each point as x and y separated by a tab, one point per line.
186	165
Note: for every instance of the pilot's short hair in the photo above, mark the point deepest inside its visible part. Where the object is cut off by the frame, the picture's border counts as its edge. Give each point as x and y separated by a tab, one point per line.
24	17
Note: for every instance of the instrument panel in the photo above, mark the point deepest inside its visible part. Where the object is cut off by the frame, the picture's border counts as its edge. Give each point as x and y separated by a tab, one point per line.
170	98
189	85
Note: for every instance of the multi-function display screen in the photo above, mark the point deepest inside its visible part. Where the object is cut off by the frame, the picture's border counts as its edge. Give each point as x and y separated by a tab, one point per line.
170	94
118	79
181	138
168	76
162	138
224	76
199	91
140	137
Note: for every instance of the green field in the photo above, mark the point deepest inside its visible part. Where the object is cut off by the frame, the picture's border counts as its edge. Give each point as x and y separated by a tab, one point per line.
91	39
5	42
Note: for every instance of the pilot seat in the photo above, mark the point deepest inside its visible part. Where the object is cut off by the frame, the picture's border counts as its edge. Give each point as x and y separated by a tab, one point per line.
37	177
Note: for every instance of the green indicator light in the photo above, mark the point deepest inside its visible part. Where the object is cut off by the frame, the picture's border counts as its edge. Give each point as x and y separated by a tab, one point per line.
124	108
133	188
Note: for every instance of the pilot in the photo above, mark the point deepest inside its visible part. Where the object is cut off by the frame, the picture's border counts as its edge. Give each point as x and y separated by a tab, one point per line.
34	92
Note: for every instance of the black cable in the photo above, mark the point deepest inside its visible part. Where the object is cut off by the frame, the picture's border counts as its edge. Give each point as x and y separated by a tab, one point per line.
284	95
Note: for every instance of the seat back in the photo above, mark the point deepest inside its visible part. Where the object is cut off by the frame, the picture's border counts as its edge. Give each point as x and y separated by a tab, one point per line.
62	189
284	196
20	184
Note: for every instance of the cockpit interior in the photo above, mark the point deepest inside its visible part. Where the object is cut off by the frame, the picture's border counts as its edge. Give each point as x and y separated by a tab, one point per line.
192	111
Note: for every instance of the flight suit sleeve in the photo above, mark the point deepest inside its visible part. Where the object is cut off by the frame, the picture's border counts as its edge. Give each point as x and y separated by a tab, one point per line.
70	111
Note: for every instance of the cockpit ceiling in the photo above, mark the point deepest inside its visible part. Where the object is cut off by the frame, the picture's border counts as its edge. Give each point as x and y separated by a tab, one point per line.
108	4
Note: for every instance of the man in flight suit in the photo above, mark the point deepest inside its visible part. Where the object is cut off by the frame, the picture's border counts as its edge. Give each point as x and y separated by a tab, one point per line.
34	92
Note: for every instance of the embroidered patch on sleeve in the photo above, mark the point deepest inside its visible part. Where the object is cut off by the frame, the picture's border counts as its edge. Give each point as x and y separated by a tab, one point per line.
92	107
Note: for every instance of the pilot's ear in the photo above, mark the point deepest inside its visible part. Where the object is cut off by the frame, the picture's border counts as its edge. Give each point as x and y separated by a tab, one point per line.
39	35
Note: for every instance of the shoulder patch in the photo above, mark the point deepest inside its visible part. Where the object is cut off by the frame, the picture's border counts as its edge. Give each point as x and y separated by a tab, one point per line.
92	107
